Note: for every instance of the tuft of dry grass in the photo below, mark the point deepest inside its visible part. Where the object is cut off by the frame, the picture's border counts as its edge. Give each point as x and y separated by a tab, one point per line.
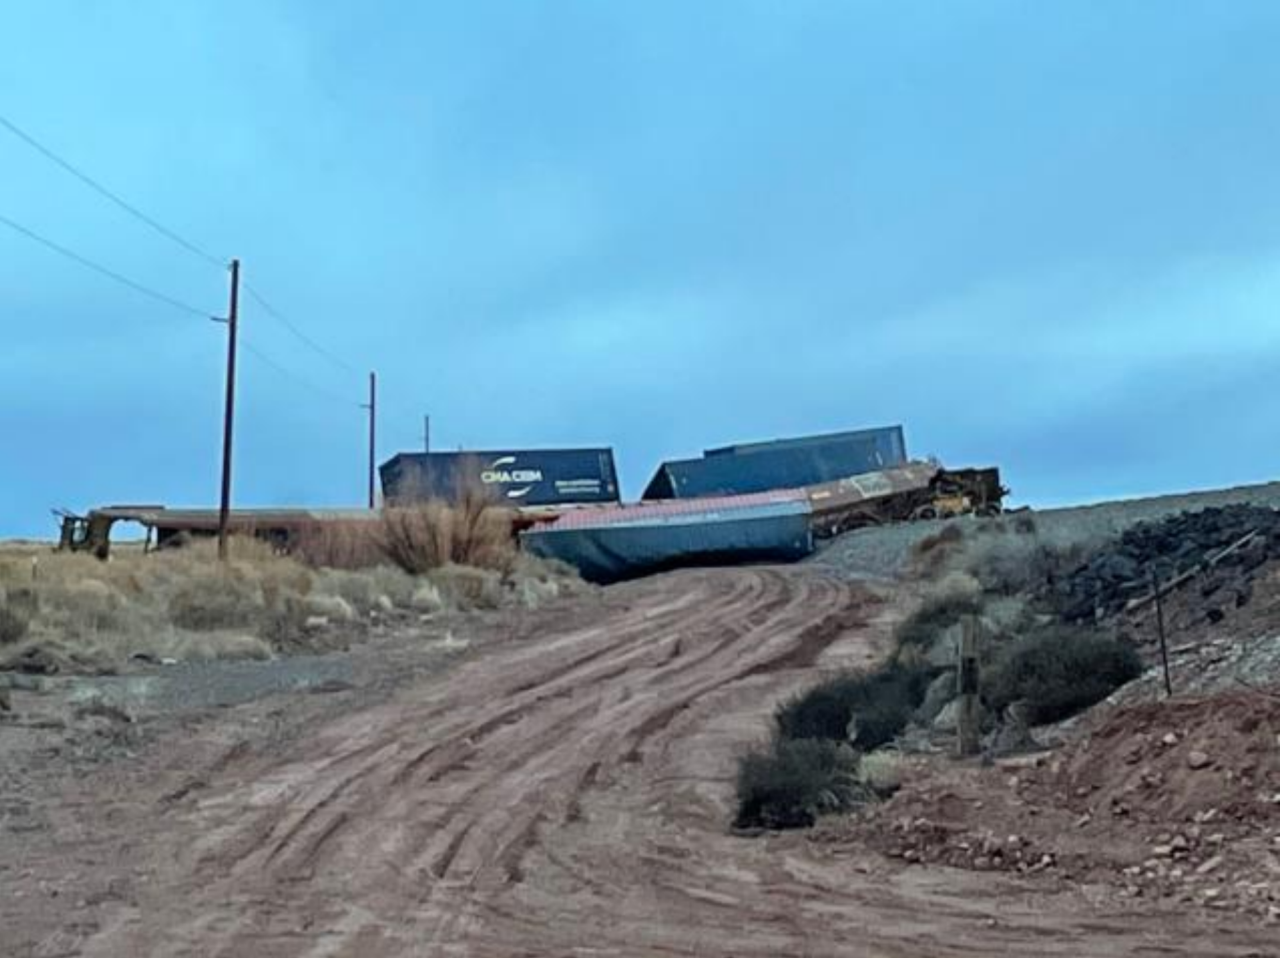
74	612
338	544
475	533
882	771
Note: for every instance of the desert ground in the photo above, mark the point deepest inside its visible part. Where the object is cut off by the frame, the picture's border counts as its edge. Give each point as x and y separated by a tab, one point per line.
559	780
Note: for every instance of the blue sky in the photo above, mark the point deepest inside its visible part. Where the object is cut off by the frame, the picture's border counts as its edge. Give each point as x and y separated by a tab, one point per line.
1042	235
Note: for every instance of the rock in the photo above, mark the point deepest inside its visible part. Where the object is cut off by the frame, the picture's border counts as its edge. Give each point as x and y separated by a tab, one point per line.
1170	739
945	720
1014	732
1197	759
1162	851
1208	865
384	603
941	691
315	623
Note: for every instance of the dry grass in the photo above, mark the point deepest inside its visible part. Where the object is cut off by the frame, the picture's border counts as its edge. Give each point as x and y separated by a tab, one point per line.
474	533
74	612
882	771
339	544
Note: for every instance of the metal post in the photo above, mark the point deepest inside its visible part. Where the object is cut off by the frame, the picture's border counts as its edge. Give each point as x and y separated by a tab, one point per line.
426	433
967	714
1164	648
373	442
228	419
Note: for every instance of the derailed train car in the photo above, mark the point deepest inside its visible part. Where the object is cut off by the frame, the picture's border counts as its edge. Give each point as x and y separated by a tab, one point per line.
622	542
518	478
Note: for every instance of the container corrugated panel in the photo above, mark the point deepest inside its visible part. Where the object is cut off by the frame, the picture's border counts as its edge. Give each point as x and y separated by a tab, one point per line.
609	551
889	439
775	467
522	477
650	512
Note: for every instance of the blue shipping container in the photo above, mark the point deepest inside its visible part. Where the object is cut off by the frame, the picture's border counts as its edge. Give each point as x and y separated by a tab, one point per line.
785	464
522	477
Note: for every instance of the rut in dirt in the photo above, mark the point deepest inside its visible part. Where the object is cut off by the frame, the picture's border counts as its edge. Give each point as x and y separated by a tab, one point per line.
567	793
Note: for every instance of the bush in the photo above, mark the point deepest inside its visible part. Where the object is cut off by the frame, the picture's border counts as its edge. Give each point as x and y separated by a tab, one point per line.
866	708
882	771
474	533
936	615
791	783
211	600
338	544
12	627
1059	671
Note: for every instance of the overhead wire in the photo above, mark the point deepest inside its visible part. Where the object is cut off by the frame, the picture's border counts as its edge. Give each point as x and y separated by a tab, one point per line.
174	237
303	337
300	380
110	195
103	270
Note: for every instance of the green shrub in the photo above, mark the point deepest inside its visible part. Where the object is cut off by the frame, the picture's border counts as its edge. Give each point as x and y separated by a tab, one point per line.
1059	671
918	631
875	706
791	783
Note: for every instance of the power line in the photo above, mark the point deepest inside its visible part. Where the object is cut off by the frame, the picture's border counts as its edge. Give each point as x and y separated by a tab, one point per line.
300	380
169	234
113	197
103	270
285	321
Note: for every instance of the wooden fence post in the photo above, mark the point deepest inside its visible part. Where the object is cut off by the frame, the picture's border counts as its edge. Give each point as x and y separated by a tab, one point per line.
968	715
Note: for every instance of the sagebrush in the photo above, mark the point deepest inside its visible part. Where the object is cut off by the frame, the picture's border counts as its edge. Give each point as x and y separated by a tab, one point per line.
789	783
867	709
1059	671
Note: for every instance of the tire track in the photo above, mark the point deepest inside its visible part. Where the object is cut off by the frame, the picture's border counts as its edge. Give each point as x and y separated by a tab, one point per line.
568	794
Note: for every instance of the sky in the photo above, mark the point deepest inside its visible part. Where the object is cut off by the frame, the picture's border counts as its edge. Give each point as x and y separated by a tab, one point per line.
1041	235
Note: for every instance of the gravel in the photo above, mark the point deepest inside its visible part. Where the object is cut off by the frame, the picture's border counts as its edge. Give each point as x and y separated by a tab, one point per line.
884	552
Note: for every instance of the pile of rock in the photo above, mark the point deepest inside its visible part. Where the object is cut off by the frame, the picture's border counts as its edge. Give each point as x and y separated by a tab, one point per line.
927	841
1121	571
1202	863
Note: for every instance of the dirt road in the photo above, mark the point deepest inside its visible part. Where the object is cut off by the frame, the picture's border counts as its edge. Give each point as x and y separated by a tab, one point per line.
564	792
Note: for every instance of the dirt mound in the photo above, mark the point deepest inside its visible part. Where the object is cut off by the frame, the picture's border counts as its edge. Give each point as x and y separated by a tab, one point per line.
1121	571
1177	801
1180	760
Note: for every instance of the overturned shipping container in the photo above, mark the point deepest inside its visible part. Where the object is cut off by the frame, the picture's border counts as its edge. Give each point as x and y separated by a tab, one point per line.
622	542
781	464
524	477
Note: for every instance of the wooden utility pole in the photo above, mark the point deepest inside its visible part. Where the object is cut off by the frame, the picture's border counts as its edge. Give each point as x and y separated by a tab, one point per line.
968	709
426	433
228	418
372	406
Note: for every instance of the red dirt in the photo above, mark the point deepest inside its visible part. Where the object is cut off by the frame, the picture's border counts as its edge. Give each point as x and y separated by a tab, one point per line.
1176	800
567	791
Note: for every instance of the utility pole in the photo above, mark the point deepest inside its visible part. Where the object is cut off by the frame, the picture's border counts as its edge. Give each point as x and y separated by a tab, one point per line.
228	418
372	406
426	433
